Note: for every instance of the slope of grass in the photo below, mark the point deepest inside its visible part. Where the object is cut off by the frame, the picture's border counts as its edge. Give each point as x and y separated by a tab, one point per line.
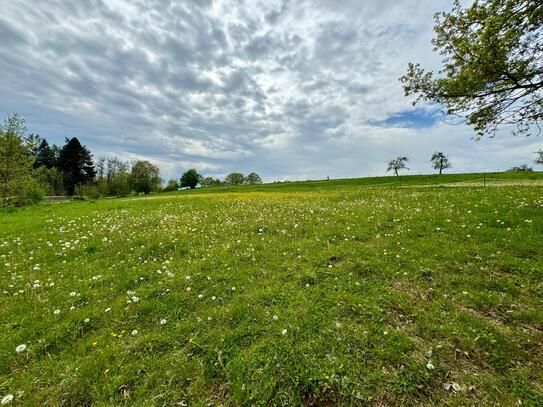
340	295
474	179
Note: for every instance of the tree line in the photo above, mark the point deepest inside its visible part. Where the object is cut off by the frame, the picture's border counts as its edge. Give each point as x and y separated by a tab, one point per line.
191	179
31	167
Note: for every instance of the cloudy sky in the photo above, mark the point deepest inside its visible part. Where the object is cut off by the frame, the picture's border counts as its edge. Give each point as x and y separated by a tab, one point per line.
299	89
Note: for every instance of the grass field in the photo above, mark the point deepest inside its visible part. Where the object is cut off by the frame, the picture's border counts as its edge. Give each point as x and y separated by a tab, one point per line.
382	292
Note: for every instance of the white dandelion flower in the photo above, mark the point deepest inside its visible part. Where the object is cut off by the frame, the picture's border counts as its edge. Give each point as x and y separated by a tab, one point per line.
162	321
134	332
284	331
6	399
20	348
56	312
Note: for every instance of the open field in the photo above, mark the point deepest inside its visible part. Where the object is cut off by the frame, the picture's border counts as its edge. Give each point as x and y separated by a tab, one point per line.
379	292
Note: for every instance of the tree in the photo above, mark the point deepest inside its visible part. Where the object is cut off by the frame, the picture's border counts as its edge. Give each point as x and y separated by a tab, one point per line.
75	160
210	182
234	178
51	180
173	185
397	164
117	177
190	179
16	160
520	168
440	162
492	71
539	158
45	155
253	178
144	177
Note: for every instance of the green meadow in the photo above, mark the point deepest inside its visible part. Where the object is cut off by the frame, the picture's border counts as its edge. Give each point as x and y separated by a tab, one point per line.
388	291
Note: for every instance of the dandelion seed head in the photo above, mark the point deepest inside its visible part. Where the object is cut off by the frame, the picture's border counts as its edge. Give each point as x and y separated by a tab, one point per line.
7	399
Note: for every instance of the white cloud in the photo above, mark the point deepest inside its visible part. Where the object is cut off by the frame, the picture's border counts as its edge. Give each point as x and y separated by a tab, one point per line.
286	89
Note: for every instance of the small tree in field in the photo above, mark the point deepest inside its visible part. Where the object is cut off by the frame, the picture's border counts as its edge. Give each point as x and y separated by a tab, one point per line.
190	179
397	164
234	178
440	162
253	178
144	177
539	158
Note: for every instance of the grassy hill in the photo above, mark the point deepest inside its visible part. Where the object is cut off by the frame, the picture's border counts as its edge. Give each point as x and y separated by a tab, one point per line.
472	179
374	291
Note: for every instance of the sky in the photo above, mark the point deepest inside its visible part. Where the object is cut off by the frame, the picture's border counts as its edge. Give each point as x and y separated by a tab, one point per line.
292	90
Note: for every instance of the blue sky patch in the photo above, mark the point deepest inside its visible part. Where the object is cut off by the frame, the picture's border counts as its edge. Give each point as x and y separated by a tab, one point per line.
412	119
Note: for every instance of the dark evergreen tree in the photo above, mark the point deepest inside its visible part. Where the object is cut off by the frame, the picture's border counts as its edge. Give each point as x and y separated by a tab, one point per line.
75	161
45	155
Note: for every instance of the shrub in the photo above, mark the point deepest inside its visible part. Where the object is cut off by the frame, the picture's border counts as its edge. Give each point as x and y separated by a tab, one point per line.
88	191
173	185
34	194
